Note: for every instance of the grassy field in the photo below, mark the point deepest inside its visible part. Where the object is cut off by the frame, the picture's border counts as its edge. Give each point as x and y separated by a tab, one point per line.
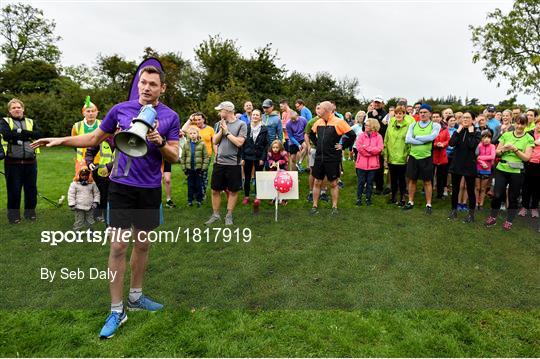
370	282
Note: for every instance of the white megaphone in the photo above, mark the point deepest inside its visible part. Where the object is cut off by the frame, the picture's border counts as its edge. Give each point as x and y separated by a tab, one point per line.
132	141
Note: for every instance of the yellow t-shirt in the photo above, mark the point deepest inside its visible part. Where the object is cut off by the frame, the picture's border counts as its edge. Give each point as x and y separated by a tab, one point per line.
206	134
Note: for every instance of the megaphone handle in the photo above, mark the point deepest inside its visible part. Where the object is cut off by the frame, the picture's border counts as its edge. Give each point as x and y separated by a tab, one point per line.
115	166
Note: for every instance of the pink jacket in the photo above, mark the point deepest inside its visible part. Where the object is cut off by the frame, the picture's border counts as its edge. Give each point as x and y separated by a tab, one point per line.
486	155
369	147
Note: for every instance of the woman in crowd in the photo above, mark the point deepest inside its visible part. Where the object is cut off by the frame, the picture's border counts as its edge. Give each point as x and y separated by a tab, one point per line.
531	187
357	128
451	121
506	121
198	119
484	164
440	158
254	153
515	148
369	145
396	152
464	140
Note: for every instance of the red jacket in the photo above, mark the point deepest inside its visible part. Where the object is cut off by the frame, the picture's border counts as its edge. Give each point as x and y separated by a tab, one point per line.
439	153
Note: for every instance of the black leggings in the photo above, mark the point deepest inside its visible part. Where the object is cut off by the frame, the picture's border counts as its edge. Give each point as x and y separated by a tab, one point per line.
470	182
530	194
248	166
441	178
397	180
513	181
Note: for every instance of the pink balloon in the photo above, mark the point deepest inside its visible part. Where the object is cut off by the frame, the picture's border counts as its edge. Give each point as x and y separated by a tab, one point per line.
283	182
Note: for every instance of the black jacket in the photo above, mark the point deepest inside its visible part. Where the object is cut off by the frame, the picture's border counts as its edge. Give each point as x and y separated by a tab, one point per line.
464	143
256	151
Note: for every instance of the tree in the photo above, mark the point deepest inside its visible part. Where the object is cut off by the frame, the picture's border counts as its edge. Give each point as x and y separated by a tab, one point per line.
28	35
509	47
27	77
218	62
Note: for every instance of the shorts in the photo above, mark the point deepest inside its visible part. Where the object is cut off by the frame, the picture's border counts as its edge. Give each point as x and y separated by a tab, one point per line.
311	157
286	145
136	207
294	149
330	170
226	177
166	166
420	169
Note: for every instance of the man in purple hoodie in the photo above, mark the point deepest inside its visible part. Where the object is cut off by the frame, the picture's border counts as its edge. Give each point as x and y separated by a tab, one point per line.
295	128
134	191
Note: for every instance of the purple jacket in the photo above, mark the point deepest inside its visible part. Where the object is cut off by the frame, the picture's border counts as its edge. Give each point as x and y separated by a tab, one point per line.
295	130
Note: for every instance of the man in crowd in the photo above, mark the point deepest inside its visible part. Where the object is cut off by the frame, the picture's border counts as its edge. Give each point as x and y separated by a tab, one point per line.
272	121
330	135
134	191
420	163
493	124
227	172
379	114
20	164
246	116
285	118
303	110
295	128
88	124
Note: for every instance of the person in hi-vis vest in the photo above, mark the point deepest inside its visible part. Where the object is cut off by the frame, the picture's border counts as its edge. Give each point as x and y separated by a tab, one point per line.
88	124
99	160
20	165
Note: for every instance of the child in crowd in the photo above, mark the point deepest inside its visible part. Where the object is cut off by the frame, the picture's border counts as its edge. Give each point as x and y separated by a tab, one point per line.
486	153
195	162
369	145
277	158
83	198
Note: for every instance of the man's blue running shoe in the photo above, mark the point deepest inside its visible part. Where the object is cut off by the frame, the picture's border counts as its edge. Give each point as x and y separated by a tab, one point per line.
144	303
112	323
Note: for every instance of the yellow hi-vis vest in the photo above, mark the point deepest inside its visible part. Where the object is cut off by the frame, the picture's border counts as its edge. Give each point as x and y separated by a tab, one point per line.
29	127
78	129
104	157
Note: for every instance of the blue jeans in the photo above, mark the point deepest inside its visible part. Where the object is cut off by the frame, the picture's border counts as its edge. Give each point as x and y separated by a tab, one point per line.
365	178
195	185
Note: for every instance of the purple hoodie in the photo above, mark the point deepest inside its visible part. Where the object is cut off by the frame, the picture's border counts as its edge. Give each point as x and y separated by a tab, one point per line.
295	129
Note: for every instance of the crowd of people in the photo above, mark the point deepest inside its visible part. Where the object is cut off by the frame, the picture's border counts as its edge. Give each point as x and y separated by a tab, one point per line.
465	156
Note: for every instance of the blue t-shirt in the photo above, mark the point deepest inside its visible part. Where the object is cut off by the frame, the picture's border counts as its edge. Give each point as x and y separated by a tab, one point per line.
145	171
192	144
306	113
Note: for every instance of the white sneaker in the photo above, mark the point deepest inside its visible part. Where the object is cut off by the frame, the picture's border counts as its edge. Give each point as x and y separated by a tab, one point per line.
213	218
229	220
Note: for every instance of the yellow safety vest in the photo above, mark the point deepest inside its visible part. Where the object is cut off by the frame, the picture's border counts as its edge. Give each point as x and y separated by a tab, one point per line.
79	130
104	157
29	126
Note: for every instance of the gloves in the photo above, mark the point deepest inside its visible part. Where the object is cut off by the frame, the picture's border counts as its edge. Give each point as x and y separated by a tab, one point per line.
95	205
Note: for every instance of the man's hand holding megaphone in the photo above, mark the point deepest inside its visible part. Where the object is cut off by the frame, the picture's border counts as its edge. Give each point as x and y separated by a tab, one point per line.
154	137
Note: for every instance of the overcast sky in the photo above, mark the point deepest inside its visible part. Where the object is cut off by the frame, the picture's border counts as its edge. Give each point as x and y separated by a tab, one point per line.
395	48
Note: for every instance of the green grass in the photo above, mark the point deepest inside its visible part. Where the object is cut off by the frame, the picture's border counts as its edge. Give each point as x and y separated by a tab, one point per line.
370	282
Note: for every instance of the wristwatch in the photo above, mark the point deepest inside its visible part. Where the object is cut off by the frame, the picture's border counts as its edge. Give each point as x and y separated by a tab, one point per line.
227	134
163	143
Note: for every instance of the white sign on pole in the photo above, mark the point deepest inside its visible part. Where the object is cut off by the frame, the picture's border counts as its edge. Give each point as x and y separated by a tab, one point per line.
265	185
